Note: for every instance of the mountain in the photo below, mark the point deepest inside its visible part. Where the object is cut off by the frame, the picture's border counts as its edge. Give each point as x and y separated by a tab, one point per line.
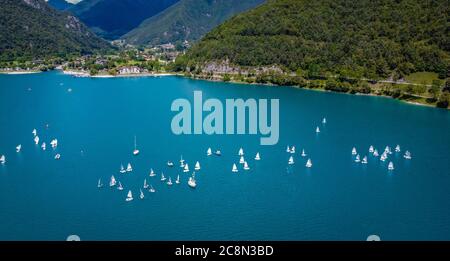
60	4
363	38
31	29
113	18
187	20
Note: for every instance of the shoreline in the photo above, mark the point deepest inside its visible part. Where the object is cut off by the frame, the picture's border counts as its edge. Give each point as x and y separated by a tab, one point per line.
87	75
19	72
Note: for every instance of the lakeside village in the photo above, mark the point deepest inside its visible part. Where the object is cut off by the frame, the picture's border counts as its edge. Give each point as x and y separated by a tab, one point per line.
422	88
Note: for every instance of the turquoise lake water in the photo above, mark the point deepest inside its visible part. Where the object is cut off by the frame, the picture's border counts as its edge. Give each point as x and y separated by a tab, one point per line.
337	199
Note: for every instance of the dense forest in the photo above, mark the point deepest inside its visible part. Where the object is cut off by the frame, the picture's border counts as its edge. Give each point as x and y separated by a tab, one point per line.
374	39
31	30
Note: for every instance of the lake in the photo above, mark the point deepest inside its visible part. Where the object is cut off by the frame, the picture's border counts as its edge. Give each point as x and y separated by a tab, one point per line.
96	119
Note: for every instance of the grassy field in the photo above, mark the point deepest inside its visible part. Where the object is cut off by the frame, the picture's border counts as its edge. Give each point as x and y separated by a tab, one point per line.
422	77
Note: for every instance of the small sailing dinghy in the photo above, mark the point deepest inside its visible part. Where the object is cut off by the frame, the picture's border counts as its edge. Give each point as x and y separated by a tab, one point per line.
178	179
162	177
152	190
397	148
371	149
391	166
129	196
43	146
34	132
241	152
3	159
242	160
209	152
54	143
129	168
407	155
135	151
170	163
192	182
141	196
18	148
122	169
152	173
291	160
364	160
186	168
324	120
383	156
317	129
218	153
112	182
358	158
288	150
36	140
99	183
308	163
354	151
246	167
120	187
293	150
197	166
303	153
145	184
257	157
234	169
169	182
57	156
181	161
375	153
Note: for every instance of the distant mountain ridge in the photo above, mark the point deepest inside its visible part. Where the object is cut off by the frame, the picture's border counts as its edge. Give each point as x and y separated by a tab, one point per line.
42	31
113	18
187	20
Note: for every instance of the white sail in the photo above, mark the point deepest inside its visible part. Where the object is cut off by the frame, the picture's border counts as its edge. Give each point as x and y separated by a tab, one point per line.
292	149
34	132
291	160
317	129
18	147
407	155
197	166
257	157
354	151
3	159
129	196
308	163
358	158
170	163
186	168
246	167
209	152
324	120
169	182
44	146
181	159
364	160
178	179
129	168
303	153
162	177
192	182
112	182
371	149
218	153
375	153
141	196
99	183
36	140
242	160
288	149
120	187
241	152
152	173
122	169
145	184
391	166
57	156
397	148
135	151
152	190
234	169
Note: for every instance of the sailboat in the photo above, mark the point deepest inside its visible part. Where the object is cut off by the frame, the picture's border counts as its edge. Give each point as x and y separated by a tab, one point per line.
293	150
357	159
375	153
54	143
99	184
324	120
354	151
129	168
397	148
170	163
169	182
43	146
257	157
122	169
36	140
192	182
371	149
209	152
391	166
383	156
291	160
152	173
287	149
145	184
34	132
18	148
181	161
112	182
246	167
234	169
3	159
152	190
129	196
57	156
218	153
364	160
186	168
242	160
162	177
388	150
197	166
241	152
178	179
135	151
120	187
303	153
407	155
141	196
308	163
317	129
